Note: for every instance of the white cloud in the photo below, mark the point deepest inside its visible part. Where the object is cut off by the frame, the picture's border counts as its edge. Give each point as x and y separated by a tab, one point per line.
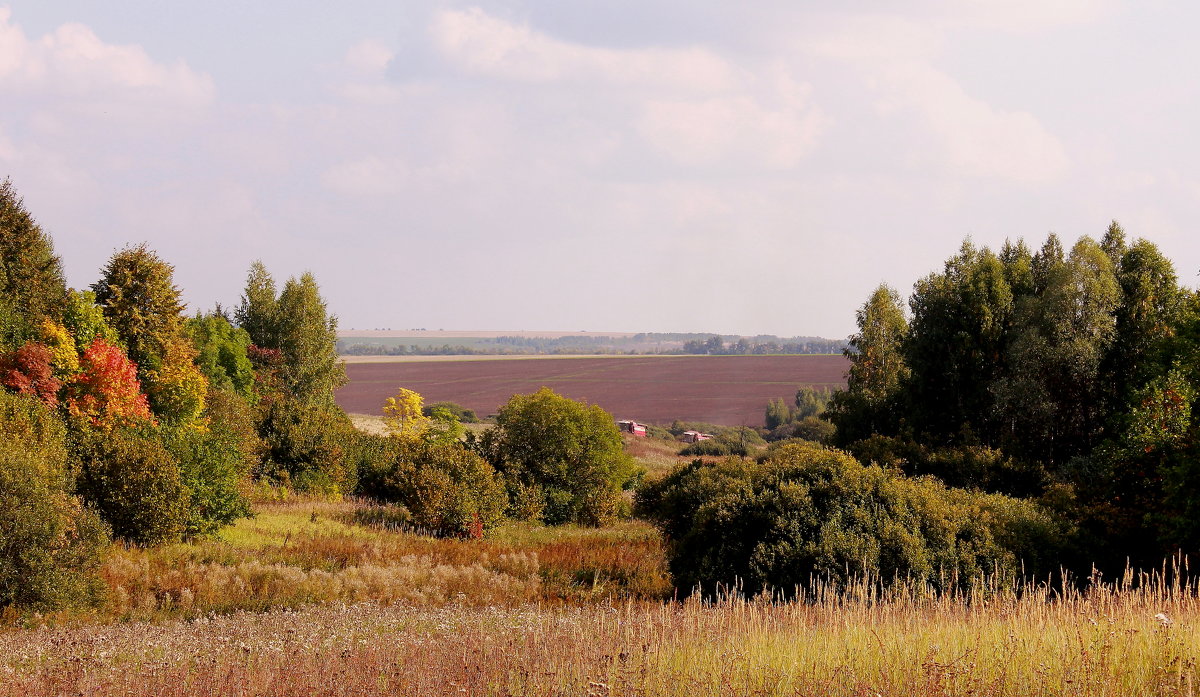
709	131
484	45
72	61
977	139
896	58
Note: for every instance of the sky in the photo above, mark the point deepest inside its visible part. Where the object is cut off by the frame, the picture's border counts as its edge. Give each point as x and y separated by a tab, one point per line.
601	165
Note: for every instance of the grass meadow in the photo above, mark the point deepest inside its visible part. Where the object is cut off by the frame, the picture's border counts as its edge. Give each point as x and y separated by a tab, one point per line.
317	597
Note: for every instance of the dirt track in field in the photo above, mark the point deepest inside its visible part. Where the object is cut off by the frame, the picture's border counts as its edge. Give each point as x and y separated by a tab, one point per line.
731	390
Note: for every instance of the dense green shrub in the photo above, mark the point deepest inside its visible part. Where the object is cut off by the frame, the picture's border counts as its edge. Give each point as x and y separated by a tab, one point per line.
966	466
715	447
569	451
446	488
133	481
213	470
50	545
305	446
806	512
458	411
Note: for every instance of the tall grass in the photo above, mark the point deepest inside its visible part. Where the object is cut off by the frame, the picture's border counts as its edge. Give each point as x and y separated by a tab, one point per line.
1035	641
305	552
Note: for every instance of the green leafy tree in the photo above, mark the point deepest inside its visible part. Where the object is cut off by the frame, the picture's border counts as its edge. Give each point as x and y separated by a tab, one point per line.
31	275
877	369
221	353
777	414
568	455
956	343
258	313
84	319
1053	401
297	324
312	369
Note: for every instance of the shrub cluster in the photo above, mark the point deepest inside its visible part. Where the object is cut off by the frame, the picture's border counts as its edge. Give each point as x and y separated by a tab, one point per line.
807	512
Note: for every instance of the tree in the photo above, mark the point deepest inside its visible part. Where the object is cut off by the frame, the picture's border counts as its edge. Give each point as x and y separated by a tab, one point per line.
877	369
296	323
143	306
31	276
312	369
566	454
29	371
107	392
407	420
221	353
956	342
258	313
1053	402
84	319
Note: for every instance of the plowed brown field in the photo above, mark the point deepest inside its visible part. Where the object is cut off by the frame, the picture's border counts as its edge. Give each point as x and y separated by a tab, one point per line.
731	390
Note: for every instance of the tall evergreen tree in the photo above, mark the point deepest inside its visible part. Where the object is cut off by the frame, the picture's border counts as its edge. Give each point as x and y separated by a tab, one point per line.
31	275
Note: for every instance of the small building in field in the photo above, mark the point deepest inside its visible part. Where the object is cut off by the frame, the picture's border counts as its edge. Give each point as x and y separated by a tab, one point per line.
693	436
633	428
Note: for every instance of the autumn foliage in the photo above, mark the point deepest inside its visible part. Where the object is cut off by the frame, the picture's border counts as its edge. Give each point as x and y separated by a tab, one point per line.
107	391
29	371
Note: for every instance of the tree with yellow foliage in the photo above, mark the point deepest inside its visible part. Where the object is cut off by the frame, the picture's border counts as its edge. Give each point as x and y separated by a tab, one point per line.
407	420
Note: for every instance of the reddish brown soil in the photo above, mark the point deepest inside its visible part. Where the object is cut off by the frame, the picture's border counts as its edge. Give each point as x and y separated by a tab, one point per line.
731	390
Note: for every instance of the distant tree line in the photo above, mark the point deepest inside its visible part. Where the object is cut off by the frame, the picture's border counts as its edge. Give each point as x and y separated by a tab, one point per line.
645	343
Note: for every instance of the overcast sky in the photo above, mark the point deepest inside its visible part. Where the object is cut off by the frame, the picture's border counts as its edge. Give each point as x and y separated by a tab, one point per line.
621	165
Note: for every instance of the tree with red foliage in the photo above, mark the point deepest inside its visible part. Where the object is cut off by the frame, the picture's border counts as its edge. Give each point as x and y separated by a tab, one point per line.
29	371
107	392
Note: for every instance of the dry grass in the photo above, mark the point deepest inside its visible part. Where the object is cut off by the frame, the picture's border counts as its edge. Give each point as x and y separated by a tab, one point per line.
1106	642
303	552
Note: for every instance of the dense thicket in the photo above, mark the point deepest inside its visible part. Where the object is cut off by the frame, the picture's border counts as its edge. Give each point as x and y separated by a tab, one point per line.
806	512
1068	375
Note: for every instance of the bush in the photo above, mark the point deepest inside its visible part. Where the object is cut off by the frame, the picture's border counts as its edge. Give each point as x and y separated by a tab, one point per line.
570	452
446	489
306	447
810	428
50	545
458	411
808	512
134	482
967	466
212	469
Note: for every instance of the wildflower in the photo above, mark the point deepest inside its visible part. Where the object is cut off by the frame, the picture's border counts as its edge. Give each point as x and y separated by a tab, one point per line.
1163	619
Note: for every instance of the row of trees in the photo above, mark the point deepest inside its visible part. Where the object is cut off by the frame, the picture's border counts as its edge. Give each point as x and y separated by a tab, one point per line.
1065	376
